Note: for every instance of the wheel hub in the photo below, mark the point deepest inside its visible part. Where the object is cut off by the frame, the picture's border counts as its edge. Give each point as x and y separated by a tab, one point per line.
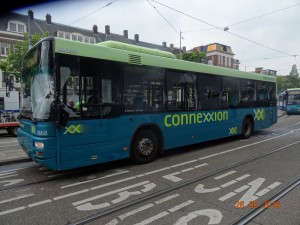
145	146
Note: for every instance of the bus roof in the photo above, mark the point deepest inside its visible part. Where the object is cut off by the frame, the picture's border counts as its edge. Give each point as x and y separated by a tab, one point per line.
293	89
126	53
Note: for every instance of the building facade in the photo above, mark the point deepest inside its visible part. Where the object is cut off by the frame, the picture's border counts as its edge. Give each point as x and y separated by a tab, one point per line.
13	26
219	55
261	70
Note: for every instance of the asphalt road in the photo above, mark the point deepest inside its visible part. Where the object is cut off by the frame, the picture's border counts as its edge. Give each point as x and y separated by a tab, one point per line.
230	181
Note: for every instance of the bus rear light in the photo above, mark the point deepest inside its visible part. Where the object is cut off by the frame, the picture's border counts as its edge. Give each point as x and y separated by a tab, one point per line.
125	149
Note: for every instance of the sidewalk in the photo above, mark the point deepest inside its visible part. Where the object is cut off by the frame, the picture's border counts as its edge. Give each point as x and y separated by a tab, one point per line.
11	152
16	155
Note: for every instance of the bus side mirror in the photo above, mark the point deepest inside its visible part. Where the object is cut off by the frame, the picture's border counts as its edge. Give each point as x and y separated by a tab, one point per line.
63	115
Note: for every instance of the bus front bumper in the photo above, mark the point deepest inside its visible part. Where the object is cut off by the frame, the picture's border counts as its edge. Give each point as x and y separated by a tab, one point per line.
46	158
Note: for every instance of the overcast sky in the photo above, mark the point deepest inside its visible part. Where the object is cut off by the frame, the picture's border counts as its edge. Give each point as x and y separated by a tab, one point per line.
270	39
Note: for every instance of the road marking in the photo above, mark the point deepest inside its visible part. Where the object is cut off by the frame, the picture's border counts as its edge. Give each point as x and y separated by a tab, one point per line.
5	146
182	205
12	210
173	178
9	142
124	195
142	208
225	175
215	216
71	194
109	193
6	173
200	188
39	203
162	169
165	213
12	175
96	179
112	183
16	198
166	199
11	182
250	195
132	212
153	218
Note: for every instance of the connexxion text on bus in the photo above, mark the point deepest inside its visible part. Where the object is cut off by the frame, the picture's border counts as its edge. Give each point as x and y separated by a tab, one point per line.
84	104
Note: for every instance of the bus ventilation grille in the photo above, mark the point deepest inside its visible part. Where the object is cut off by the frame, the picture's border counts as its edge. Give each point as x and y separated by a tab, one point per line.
135	59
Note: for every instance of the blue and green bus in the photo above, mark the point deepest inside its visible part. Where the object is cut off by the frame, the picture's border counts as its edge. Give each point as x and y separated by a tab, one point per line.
84	104
293	101
281	101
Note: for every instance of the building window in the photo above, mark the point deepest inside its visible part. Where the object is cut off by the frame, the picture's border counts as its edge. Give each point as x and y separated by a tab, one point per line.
67	36
16	27
86	40
21	28
80	38
60	34
13	27
92	40
5	47
74	37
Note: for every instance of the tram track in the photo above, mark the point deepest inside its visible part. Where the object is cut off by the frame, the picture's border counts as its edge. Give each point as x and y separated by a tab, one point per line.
262	207
132	203
66	174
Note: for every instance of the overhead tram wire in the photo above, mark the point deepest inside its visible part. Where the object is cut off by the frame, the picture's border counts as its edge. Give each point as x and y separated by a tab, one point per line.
221	28
93	12
163	17
264	58
179	33
266	14
243	21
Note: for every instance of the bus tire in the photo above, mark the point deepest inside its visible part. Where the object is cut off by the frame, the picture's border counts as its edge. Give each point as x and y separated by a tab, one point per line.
13	131
247	128
145	146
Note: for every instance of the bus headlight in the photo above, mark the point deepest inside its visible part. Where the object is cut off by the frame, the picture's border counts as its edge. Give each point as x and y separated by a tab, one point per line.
38	144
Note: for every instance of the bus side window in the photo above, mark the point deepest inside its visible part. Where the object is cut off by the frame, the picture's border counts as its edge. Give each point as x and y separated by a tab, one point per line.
143	89
248	91
182	91
209	92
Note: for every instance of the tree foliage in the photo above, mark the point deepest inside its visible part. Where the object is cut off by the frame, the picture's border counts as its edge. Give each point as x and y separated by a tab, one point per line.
290	81
13	62
193	56
281	84
293	79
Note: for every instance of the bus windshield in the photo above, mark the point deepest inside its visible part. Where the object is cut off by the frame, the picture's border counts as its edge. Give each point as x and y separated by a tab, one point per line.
293	98
38	82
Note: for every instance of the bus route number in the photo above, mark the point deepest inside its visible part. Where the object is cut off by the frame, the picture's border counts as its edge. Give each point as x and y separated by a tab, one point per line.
42	132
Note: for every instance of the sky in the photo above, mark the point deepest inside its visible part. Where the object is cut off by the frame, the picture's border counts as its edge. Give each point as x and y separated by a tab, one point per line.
261	33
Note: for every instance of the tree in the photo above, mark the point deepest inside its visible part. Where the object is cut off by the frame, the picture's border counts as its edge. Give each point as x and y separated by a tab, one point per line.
193	56
281	84
13	63
293	79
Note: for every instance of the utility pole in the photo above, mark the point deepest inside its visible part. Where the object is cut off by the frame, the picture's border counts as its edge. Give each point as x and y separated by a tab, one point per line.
180	54
30	17
296	59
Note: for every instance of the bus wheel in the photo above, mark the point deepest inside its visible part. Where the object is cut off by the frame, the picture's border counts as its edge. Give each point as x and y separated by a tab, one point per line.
145	146
13	131
247	128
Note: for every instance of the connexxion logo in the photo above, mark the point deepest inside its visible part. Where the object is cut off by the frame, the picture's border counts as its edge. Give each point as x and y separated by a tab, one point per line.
194	118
